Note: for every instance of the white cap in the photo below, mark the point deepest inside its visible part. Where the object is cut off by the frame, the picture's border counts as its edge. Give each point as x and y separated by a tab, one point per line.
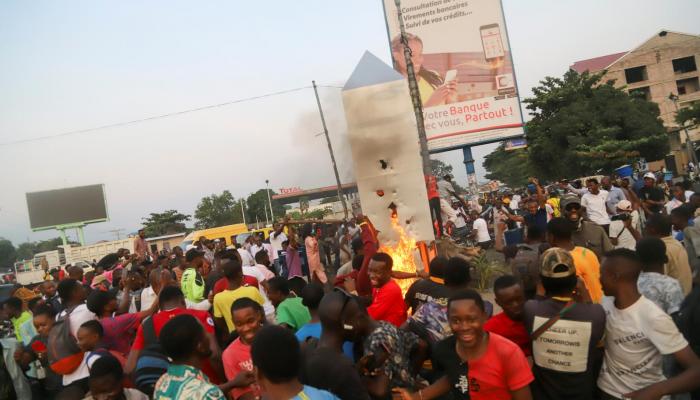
624	205
650	175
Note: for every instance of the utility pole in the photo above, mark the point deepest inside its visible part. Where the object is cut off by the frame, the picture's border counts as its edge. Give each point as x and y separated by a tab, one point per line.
688	143
330	150
243	210
415	94
269	200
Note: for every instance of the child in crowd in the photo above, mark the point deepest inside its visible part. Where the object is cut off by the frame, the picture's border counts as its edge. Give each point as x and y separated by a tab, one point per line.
249	317
107	382
277	358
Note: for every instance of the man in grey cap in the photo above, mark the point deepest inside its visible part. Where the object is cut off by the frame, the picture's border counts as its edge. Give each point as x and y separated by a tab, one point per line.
566	358
587	234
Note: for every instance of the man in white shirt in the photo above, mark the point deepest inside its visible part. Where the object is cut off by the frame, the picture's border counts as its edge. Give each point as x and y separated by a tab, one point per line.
637	334
258	274
480	231
595	203
277	237
515	202
624	228
73	296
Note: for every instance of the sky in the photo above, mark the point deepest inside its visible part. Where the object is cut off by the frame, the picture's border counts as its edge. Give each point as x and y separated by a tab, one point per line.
73	65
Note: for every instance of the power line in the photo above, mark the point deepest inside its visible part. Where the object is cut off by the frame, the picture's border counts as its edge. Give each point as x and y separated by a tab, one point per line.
151	118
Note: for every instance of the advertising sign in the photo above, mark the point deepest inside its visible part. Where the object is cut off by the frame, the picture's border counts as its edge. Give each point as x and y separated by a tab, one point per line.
463	66
50	208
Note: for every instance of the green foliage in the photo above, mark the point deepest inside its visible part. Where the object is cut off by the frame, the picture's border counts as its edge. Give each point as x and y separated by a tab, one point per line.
315	214
510	167
217	210
486	271
8	253
690	115
165	223
257	205
26	250
439	168
580	125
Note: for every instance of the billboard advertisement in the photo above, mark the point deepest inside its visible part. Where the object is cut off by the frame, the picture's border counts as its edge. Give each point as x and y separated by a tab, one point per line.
51	208
463	66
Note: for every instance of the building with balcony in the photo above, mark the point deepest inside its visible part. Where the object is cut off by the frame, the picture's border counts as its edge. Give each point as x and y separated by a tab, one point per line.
663	69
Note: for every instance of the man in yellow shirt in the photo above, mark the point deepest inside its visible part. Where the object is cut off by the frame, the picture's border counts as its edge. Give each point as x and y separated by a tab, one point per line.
586	262
233	272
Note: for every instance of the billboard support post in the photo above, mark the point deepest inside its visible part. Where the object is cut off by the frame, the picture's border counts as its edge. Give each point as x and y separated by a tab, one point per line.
78	228
471	172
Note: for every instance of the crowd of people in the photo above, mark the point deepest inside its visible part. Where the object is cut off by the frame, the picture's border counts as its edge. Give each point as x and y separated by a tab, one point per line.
599	302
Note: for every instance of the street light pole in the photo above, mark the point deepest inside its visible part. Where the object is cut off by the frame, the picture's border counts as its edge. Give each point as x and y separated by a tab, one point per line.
688	143
243	210
415	94
330	150
269	200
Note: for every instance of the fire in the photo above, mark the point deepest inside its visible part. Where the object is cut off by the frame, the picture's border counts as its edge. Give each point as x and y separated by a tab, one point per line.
402	253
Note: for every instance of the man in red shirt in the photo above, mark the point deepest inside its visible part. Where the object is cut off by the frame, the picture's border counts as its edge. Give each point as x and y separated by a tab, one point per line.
434	203
171	302
509	323
387	299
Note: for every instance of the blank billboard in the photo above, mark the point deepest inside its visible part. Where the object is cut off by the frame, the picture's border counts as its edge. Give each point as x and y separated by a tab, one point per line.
66	206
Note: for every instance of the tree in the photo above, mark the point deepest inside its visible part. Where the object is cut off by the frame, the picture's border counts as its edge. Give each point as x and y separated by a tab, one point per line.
690	115
8	253
167	222
258	206
216	210
510	167
439	168
581	125
27	250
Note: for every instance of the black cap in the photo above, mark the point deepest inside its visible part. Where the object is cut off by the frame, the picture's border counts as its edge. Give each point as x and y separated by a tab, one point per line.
192	254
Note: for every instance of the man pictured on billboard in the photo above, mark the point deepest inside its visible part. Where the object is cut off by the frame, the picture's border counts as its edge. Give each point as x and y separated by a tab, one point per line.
434	90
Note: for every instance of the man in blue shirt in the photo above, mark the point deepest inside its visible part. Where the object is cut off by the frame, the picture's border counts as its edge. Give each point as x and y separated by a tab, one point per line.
615	194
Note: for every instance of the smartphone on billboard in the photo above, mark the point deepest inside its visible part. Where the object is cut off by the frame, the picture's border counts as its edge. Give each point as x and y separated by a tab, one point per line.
450	75
491	41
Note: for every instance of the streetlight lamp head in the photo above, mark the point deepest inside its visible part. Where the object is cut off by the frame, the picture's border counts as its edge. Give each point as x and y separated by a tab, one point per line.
673	97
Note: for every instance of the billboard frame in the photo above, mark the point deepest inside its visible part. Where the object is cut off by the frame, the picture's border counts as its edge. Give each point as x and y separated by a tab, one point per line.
523	124
77	225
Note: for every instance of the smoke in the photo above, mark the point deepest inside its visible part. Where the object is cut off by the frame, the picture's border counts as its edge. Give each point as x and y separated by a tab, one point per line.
310	144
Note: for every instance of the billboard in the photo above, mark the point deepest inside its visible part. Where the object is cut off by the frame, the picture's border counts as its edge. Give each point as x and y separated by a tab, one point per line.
51	208
463	66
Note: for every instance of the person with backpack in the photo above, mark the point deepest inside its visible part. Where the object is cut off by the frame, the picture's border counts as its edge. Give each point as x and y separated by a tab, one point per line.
64	354
148	362
565	333
89	336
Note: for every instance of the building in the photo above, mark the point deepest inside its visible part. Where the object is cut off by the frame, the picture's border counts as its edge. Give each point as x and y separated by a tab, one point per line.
663	69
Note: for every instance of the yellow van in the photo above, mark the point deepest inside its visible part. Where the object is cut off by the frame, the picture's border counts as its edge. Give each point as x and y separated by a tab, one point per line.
237	233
